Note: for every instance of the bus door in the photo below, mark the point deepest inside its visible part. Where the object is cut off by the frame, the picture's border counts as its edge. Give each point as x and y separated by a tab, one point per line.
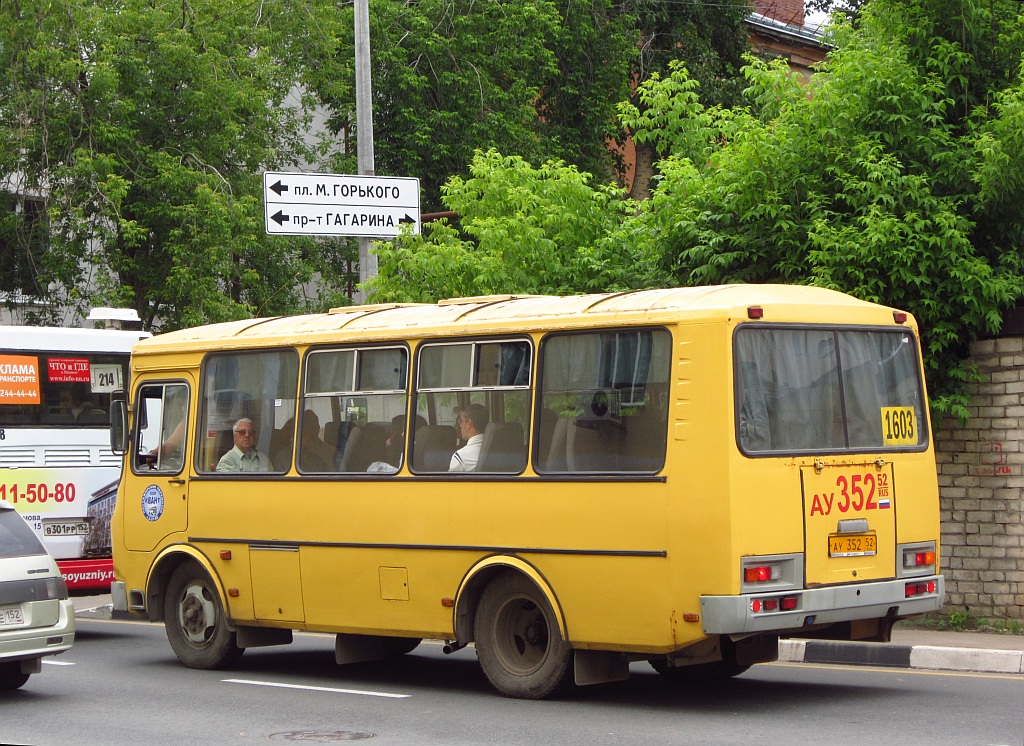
157	494
849	521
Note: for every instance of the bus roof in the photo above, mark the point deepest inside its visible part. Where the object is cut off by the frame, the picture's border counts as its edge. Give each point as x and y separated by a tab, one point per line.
63	339
496	314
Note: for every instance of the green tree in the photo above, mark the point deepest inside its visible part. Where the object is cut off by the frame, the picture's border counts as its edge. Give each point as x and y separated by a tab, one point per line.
536	78
710	39
872	182
145	127
523	230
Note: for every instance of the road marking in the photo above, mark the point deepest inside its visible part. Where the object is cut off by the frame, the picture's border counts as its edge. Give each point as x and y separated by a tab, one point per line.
58	663
387	695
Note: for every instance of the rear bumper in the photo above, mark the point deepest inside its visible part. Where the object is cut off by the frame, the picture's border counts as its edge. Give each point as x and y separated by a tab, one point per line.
732	615
35	642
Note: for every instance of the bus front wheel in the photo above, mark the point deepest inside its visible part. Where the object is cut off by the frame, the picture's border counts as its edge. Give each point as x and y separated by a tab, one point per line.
195	621
518	642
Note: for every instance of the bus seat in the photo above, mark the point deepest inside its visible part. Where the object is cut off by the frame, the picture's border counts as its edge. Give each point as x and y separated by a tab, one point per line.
50	418
644	445
365	444
591	447
558	451
545	436
503	449
281	445
93	416
433	447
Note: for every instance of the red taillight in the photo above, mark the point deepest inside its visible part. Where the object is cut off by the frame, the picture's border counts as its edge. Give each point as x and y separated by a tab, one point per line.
916	589
777	603
924	558
761	573
899	317
755	312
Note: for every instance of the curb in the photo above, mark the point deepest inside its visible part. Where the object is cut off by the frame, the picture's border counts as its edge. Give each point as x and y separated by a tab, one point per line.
902	656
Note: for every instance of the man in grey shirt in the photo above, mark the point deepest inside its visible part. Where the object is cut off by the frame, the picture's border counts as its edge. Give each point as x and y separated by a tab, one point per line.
244	456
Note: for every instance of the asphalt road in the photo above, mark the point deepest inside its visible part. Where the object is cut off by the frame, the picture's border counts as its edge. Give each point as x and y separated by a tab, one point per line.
121	684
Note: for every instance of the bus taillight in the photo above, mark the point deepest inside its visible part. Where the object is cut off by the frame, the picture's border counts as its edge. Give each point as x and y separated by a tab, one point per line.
762	573
776	603
920	589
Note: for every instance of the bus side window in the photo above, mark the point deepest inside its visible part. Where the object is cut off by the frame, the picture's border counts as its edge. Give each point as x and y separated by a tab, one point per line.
253	395
604	403
161	423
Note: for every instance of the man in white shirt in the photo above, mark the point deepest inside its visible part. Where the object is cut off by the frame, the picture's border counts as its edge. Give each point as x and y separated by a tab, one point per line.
244	456
471	425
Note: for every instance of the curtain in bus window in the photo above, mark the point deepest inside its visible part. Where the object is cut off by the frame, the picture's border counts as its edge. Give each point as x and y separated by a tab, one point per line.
381	370
788	387
445	366
879	370
515	364
329	372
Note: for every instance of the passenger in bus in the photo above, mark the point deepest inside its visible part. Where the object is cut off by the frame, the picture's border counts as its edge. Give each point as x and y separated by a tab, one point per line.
244	456
470	425
314	454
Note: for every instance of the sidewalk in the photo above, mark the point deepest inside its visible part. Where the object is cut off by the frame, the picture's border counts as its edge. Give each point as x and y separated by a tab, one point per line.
910	648
914	648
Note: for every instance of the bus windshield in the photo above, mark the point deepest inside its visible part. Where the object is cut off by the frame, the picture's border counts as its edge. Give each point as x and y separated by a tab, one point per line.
801	390
57	389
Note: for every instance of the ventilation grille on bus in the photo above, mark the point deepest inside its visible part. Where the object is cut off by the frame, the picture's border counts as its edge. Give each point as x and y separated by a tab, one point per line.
66	457
15	457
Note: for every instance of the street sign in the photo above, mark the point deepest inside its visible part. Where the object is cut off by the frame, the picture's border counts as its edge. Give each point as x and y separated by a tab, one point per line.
301	204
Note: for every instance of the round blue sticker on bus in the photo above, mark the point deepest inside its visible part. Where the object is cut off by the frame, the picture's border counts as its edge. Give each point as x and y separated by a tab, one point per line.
153	503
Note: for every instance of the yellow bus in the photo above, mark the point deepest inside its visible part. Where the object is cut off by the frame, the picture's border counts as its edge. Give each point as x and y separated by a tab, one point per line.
569	484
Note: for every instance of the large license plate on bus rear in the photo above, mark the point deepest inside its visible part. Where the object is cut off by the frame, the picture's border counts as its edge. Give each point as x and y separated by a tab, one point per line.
11	616
852	545
66	528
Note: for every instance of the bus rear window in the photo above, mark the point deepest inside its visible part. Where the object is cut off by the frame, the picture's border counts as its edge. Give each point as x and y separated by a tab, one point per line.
59	389
801	389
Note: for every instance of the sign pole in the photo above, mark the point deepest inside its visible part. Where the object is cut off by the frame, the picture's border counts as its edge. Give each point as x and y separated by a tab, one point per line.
364	129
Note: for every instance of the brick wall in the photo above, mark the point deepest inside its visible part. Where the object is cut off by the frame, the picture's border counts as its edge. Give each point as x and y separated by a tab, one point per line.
787	11
981	488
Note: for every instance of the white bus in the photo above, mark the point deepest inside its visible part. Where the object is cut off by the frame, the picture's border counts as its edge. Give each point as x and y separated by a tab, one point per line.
56	467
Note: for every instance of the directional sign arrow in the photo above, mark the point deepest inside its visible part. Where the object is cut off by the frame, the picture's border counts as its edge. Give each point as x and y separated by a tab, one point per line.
279	188
279	217
407	219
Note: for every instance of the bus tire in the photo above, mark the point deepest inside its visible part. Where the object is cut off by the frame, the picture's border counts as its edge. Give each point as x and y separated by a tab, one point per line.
518	642
195	621
11	676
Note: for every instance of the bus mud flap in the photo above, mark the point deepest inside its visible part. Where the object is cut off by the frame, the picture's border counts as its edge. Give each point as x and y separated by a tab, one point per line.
599	667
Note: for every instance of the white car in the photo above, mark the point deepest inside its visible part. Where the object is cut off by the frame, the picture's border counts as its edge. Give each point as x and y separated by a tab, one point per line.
36	616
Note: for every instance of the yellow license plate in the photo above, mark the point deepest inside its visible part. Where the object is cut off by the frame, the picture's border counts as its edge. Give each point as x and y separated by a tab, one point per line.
852	545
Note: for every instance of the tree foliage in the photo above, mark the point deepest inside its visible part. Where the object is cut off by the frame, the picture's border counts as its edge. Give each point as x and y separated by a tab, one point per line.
539	79
895	176
523	230
145	126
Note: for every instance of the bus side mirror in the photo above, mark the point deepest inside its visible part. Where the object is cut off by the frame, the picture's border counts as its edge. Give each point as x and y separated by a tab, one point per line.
118	423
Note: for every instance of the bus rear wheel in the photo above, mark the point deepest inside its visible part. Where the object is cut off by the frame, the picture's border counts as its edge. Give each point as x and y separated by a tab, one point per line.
518	642
195	621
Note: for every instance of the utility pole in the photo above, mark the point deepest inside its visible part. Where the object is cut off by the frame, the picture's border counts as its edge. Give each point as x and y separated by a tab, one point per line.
364	129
